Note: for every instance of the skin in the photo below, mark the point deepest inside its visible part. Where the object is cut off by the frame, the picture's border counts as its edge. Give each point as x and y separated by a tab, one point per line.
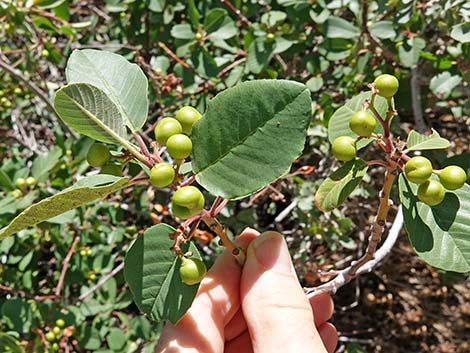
257	308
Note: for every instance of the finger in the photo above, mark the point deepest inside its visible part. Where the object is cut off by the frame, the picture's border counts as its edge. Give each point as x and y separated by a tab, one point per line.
321	304
201	329
329	336
322	307
273	303
240	344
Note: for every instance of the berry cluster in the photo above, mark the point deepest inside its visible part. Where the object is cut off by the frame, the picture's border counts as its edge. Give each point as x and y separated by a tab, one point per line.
418	170
54	334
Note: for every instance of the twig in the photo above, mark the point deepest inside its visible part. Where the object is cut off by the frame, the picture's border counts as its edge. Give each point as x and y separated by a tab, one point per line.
346	275
231	66
236	11
102	281
65	265
420	124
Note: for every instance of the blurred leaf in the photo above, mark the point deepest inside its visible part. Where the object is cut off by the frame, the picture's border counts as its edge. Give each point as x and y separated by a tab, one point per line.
443	84
259	55
461	32
254	129
417	141
409	51
438	234
336	27
193	13
5	181
383	30
116	77
88	110
339	122
44	162
116	339
84	191
203	62
182	31
152	272
339	185
315	83
8	341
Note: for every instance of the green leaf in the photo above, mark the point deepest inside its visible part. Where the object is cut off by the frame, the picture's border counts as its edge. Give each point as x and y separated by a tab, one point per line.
88	110
193	13
383	30
8	341
44	162
409	51
84	191
259	55
249	136
336	27
5	181
182	31
219	25
315	83
203	62
438	234
124	83
417	141
116	339
461	32
442	84
339	185
152	271
338	124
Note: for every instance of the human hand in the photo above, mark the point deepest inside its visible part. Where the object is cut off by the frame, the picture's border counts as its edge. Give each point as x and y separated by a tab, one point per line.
259	308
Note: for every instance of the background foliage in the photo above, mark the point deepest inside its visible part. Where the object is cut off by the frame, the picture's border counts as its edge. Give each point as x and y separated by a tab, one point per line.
190	50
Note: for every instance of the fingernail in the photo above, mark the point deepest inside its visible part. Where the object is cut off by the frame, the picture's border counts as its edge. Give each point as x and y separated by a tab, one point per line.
272	253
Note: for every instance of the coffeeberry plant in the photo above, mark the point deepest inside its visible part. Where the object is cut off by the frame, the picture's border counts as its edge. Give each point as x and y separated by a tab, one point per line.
232	151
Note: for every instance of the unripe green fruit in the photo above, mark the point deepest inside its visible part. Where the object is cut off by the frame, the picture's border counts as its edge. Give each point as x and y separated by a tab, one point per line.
45	53
179	146
344	148
270	37
50	336
89	252
92	277
112	169
17	90
83	253
60	323
187	116
20	183
431	192
187	202
98	154
418	169
192	271
30	181
362	123
166	128
452	177
56	330
55	347
387	85
161	175
198	36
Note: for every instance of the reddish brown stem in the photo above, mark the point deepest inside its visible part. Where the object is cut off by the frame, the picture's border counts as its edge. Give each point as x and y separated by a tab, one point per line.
65	266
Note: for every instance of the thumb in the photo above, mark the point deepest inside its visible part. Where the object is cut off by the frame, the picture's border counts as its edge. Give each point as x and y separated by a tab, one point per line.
277	313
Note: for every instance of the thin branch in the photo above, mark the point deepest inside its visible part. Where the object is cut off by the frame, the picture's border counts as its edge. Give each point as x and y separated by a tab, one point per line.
65	266
346	275
101	282
236	11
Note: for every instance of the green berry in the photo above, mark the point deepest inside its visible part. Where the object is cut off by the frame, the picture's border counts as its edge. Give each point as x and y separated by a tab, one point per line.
88	252
387	85
83	253
20	183
50	336
60	323
192	271
187	201
431	192
418	169
45	53
112	169
30	181
98	155
362	123
162	174
166	128
187	116
452	177
270	37
56	330
55	347
92	277
198	36
344	148
17	91
179	146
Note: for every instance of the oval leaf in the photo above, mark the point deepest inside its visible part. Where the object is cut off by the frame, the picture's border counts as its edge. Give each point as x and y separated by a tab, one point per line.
84	191
88	110
249	136
152	271
417	141
339	122
438	234
339	185
124	83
